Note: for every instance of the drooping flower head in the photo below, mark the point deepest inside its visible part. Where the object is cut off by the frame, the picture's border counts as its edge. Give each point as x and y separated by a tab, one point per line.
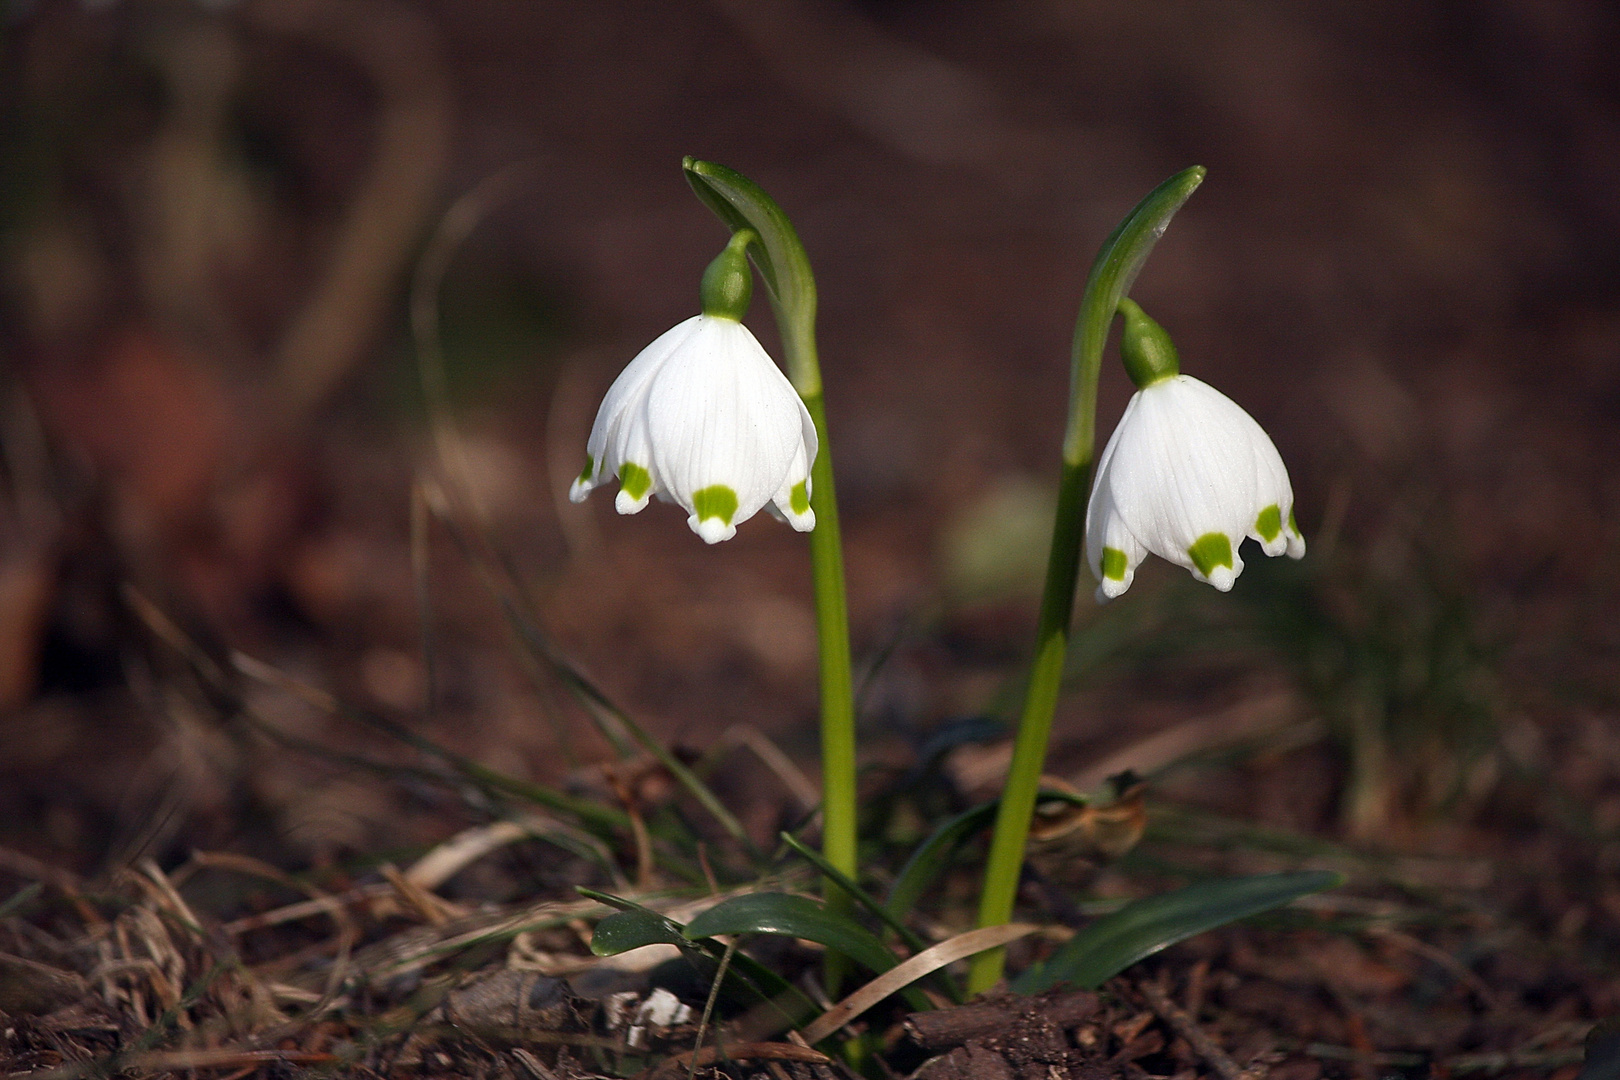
704	418
1186	475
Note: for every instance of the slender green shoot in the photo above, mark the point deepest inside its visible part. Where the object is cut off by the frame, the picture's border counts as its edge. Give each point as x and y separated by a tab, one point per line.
785	267
1112	275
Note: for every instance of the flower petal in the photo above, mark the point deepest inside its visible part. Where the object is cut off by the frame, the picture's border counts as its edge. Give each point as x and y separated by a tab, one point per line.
792	500
721	413
1187	475
1112	549
623	399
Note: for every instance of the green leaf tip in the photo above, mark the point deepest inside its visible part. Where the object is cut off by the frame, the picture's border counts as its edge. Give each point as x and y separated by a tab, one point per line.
783	265
1143	927
1112	274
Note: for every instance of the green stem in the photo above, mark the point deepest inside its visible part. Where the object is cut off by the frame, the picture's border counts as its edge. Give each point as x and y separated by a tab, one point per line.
785	268
838	801
1035	725
1111	277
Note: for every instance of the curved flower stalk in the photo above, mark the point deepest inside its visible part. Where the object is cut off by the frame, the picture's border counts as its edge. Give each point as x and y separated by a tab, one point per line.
1111	277
704	418
1186	475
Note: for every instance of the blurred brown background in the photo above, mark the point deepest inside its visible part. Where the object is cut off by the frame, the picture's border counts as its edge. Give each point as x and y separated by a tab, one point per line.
1404	263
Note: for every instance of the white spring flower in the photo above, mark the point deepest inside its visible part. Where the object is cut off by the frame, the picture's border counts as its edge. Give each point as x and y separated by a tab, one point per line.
704	418
1186	475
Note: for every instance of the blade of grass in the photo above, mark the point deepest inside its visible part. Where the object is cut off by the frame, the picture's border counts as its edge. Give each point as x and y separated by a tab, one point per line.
525	626
1143	927
651	927
584	809
859	895
800	917
931	857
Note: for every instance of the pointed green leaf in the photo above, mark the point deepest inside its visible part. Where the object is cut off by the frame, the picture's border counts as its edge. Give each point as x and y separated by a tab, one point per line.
856	893
626	930
633	926
801	917
1143	927
782	262
913	941
795	916
934	854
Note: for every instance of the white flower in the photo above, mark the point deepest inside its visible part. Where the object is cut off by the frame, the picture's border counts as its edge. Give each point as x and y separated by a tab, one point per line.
704	418
1186	475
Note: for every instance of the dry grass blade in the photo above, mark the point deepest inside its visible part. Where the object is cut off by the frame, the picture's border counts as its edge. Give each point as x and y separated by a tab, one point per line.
468	846
584	809
428	907
792	777
611	720
902	975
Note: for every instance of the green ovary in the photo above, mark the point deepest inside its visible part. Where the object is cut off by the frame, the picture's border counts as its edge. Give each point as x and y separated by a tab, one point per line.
1209	551
715	501
634	480
1114	564
1269	523
799	499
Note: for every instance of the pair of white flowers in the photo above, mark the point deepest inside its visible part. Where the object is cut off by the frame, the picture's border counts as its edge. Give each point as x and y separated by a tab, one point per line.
704	418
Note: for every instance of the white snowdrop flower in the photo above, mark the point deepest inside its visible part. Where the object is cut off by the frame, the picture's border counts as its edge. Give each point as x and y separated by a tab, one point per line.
1186	475
704	418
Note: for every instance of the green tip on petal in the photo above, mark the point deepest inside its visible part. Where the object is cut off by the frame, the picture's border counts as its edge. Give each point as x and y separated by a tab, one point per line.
799	498
1114	564
1293	526
634	480
715	501
585	473
1269	523
1209	551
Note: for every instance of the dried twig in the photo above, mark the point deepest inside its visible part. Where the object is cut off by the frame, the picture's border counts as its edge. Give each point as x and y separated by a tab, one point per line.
1188	1029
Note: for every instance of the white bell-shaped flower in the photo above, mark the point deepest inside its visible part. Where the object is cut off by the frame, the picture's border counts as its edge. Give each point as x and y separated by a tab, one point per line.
1186	475
704	418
